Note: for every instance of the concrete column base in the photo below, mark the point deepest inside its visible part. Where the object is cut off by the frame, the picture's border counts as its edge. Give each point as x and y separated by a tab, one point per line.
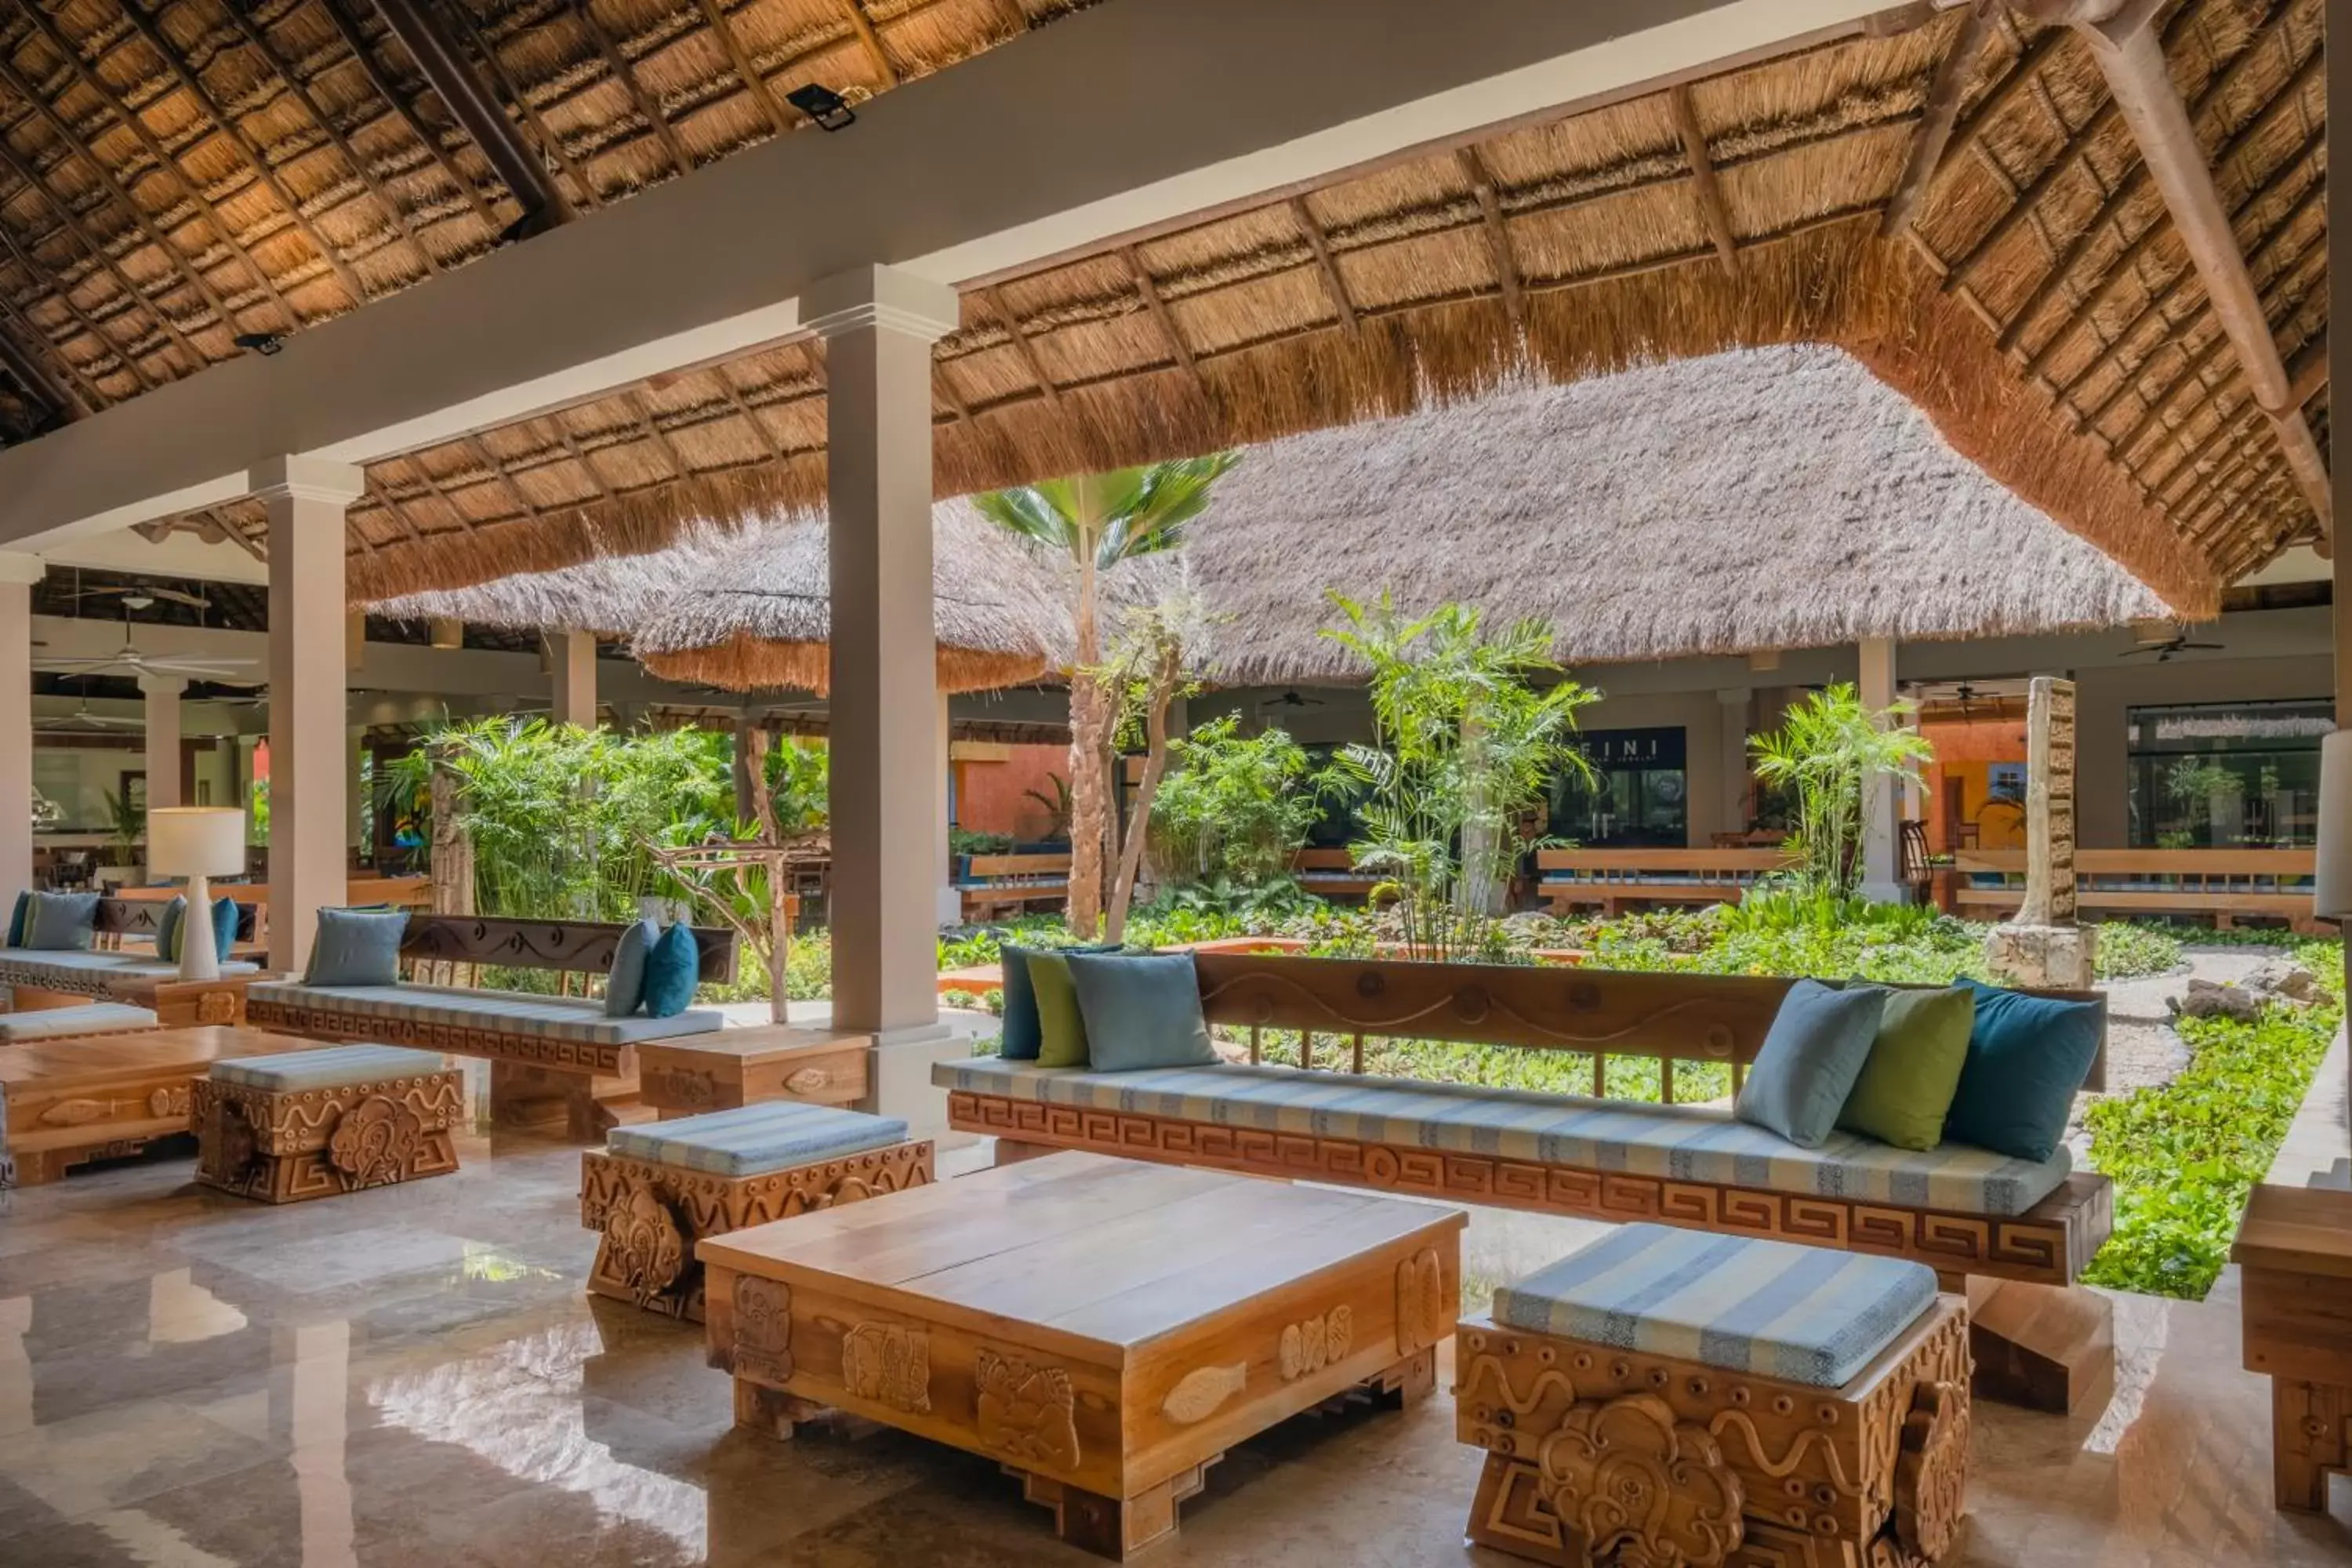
951	910
1886	892
901	1075
2062	958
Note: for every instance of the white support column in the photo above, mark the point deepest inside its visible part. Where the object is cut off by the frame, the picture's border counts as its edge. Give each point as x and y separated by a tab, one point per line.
950	902
879	325
573	656
1732	706
17	575
162	695
309	755
1880	860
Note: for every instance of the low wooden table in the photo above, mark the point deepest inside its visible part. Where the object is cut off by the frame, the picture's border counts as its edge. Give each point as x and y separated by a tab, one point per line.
1104	1327
66	1101
718	1071
2295	1253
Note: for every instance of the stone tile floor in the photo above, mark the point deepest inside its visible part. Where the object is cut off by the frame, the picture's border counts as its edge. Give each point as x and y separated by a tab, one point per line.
414	1376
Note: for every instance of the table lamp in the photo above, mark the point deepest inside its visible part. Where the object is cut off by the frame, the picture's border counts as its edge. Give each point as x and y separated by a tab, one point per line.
196	842
2331	890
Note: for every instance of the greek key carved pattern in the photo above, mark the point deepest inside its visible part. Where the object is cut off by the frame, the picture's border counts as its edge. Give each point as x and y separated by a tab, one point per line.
2049	1245
1026	1411
582	947
324	1023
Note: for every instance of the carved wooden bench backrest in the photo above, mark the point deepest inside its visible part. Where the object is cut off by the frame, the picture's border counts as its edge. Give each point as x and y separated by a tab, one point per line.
144	916
1601	1012
574	947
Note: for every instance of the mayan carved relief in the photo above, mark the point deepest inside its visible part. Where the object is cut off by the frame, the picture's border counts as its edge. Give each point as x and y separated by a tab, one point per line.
764	1330
1200	1392
1421	1319
1312	1345
1628	1477
888	1364
1026	1411
643	1251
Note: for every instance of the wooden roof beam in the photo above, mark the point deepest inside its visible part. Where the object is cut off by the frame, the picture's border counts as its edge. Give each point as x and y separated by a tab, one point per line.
714	16
1712	210
454	81
862	25
646	108
2134	64
65	296
1333	284
2031	59
1498	237
1152	302
1021	343
2029	200
390	92
1937	119
195	357
584	190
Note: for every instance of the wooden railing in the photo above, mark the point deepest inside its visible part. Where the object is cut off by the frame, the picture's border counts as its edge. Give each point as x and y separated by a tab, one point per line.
1714	1019
1611	878
2221	885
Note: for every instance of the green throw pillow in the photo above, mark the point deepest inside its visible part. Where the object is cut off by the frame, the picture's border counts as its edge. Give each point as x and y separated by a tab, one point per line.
1914	1069
1018	1043
167	929
1061	1028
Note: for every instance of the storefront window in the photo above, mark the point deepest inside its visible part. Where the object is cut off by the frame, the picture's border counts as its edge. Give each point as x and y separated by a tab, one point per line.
2226	775
1639	797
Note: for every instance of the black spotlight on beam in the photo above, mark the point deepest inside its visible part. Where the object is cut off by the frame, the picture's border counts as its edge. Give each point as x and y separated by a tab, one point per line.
822	104
263	344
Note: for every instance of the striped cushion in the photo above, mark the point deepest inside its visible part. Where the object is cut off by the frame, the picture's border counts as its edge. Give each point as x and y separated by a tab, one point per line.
330	1067
140	965
1803	1314
64	1023
1674	1143
506	1012
752	1139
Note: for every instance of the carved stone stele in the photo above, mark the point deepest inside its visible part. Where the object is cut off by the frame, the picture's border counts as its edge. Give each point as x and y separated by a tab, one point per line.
1026	1411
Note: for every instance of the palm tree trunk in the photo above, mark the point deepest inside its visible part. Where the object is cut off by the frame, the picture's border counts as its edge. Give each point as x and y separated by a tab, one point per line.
1155	766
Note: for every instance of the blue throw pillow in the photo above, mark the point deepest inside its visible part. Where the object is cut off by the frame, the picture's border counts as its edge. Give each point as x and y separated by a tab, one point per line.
357	947
167	929
1810	1056
1021	1034
61	922
2027	1057
625	988
17	919
672	968
225	928
1141	1010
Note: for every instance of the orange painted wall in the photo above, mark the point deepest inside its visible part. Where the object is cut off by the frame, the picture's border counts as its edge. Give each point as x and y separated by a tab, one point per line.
989	796
1965	753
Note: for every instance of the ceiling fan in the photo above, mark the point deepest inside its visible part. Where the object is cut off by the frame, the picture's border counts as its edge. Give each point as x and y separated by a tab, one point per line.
131	660
1292	699
82	722
2165	648
142	596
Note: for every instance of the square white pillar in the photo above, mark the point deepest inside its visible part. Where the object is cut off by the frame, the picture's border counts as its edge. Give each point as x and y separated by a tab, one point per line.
17	575
1732	709
878	325
162	694
950	902
309	754
572	659
1880	860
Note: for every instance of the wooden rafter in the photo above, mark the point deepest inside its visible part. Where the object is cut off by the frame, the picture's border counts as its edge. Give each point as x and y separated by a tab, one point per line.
2028	205
994	299
164	49
646	108
1333	284
714	16
864	27
584	190
1708	191
97	252
33	342
1150	291
165	164
393	95
1498	237
2028	66
41	279
1945	91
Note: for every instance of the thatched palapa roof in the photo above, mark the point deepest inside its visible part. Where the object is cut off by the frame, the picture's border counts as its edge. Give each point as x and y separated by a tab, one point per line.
1756	500
753	612
180	169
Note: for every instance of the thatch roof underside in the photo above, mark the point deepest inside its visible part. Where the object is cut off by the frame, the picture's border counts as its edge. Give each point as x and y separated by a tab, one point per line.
1756	500
753	613
2042	307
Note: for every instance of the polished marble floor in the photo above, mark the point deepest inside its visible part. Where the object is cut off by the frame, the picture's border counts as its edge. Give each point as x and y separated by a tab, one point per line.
414	1376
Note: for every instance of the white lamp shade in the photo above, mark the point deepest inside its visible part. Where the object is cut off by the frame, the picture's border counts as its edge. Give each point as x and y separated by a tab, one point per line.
196	841
2331	893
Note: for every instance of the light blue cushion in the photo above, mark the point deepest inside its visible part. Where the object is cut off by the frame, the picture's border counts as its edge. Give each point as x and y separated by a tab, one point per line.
518	1013
61	970
1810	1056
2028	1056
16	917
1670	1143
167	929
61	922
1141	1010
357	947
66	1023
752	1139
330	1067
672	969
625	988
1803	1314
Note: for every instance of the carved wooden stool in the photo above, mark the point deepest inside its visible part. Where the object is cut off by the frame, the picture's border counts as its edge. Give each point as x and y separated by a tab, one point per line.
1718	1402
654	1191
306	1124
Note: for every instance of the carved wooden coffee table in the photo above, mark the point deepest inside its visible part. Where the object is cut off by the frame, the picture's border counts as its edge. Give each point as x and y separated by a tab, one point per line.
66	1101
1104	1327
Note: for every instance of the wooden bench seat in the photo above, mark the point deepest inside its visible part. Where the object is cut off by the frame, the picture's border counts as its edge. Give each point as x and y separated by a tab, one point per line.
993	883
110	971
1611	880
1330	873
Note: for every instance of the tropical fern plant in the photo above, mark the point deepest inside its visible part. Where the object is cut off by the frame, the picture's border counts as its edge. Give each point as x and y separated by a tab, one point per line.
1828	752
1099	520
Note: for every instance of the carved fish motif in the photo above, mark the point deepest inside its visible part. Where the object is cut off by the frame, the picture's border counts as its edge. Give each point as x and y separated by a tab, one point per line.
1200	1392
76	1112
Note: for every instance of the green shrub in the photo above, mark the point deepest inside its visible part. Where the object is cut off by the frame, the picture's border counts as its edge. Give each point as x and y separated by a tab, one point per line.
2130	949
1234	809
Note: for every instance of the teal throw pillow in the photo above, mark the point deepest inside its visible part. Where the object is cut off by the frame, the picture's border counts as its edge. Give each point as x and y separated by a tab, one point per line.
1141	1011
672	970
1812	1055
16	919
224	919
1907	1085
167	929
2027	1057
625	988
1019	1040
1061	1026
356	947
61	922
